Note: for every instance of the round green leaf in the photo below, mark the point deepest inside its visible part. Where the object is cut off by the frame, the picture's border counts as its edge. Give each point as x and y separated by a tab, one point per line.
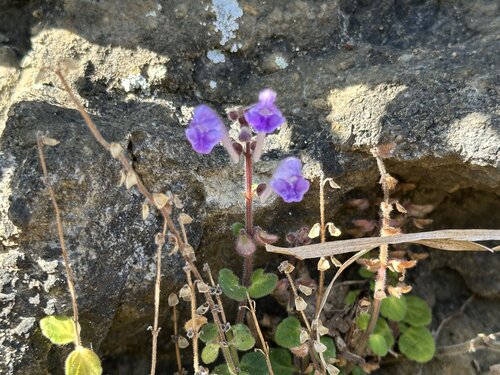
242	337
210	353
417	344
418	312
262	283
254	363
331	351
393	308
59	329
230	285
377	344
362	321
288	333
208	332
383	328
83	361
281	361
358	371
221	370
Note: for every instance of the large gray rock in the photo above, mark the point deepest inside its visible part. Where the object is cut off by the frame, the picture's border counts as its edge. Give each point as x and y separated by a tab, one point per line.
349	74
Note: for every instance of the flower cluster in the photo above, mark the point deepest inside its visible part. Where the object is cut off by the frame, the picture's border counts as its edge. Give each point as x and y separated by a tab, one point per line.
207	129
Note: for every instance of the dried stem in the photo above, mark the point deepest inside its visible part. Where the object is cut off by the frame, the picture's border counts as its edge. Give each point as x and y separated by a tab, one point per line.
160	241
265	346
176	333
194	320
323	237
69	272
165	210
481	341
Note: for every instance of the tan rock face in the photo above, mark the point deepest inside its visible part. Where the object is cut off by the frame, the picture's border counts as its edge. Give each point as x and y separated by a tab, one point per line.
349	75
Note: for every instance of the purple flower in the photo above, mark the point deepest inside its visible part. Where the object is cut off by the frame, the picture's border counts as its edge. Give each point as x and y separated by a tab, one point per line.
264	116
288	181
205	130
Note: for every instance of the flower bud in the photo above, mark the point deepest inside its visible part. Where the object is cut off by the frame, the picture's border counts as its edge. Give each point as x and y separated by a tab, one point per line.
245	134
244	244
262	237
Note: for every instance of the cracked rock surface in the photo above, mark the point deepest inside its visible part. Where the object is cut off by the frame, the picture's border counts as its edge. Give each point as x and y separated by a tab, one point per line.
350	74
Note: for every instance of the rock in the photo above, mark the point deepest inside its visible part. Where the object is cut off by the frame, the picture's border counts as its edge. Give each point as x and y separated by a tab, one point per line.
350	75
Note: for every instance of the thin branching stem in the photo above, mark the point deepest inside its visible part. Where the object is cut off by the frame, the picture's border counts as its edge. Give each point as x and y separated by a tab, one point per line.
263	343
69	272
452	316
194	322
322	236
160	241
176	333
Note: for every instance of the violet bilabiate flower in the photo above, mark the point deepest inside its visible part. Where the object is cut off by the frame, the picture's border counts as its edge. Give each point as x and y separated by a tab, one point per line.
288	181
207	129
264	117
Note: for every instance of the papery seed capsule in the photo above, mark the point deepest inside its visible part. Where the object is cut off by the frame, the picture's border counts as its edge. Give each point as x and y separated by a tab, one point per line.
323	264
202	287
183	343
190	333
173	300
319	347
305	289
185	293
300	304
304	336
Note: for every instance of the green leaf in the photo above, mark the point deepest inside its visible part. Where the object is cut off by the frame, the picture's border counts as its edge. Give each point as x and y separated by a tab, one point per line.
331	351
417	344
83	361
402	327
288	333
262	283
230	285
210	353
208	332
383	328
350	298
364	273
377	344
358	371
393	308
221	370
242	337
281	361
236	228
418	312
254	363
362	321
59	329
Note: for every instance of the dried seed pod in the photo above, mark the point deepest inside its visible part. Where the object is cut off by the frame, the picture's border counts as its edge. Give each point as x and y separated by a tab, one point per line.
314	232
173	300
304	336
322	330
195	323
145	211
333	230
185	219
160	200
323	264
400	208
332	183
337	263
202	309
202	287
115	150
331	369
305	289
123	177
185	293
300	304
319	347
130	179
47	141
183	342
177	202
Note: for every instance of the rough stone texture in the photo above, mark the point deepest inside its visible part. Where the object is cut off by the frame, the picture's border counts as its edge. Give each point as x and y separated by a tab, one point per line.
350	75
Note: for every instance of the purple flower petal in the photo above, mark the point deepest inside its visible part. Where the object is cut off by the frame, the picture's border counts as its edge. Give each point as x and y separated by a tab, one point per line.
265	116
205	130
288	181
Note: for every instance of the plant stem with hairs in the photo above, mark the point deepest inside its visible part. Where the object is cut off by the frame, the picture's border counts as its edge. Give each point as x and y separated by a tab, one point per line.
160	241
41	141
194	322
322	237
